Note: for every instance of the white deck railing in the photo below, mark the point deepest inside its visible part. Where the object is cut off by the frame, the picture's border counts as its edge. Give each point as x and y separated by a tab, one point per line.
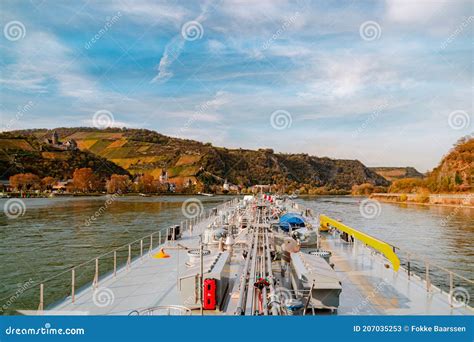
90	273
435	277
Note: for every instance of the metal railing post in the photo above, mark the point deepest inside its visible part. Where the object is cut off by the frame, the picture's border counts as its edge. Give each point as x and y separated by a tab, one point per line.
73	285
129	259
141	248
41	303
115	263
451	287
95	282
159	238
427	276
408	266
151	244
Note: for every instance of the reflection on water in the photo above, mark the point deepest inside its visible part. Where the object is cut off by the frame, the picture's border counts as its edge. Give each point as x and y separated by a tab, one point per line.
52	236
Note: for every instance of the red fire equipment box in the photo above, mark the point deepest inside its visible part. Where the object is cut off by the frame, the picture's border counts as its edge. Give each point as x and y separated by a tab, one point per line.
209	294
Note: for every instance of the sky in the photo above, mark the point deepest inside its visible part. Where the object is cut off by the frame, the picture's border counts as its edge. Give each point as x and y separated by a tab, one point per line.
389	83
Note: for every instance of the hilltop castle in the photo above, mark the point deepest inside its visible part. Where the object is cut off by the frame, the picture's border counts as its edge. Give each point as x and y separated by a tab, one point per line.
69	145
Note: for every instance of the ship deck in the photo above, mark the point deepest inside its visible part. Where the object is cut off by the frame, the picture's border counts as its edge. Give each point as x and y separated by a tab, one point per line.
148	282
369	286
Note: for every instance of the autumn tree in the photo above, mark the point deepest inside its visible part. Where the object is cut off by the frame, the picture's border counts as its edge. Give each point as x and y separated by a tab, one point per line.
25	181
118	184
363	189
407	185
147	184
84	180
47	183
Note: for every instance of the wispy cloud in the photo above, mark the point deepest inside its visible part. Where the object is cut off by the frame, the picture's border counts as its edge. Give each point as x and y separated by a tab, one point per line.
147	11
174	48
42	63
172	51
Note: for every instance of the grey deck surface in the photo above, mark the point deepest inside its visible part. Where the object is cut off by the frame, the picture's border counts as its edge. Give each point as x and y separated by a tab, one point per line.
369	288
147	283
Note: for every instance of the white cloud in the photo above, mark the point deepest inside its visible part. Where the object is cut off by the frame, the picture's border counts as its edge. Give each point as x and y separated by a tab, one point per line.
151	11
337	76
215	46
43	63
436	17
30	83
174	48
172	51
408	11
249	10
205	111
119	124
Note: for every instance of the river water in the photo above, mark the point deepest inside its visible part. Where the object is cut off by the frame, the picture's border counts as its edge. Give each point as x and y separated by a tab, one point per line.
53	235
442	235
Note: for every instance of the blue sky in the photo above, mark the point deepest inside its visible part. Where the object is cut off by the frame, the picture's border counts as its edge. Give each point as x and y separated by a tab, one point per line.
387	82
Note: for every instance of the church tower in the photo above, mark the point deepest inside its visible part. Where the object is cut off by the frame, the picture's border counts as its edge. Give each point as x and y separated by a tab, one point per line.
55	139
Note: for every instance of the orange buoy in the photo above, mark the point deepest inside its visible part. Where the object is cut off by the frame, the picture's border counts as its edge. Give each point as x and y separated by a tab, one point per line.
161	254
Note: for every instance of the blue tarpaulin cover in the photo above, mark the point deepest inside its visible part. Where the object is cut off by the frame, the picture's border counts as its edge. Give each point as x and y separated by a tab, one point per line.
291	219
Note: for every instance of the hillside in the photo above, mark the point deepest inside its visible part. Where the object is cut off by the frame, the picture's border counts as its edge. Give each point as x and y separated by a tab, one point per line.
26	154
394	173
455	172
143	151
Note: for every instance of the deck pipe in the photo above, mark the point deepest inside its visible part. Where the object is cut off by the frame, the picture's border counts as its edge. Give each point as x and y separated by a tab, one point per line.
243	279
270	275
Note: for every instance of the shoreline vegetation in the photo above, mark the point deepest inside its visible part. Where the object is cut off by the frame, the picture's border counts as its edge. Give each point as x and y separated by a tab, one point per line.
465	200
446	200
460	200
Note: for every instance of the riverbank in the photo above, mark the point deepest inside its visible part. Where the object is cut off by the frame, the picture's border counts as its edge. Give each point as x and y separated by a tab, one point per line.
446	200
98	194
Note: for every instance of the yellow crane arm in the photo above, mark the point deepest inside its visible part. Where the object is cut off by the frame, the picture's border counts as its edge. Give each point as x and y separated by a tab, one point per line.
376	244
